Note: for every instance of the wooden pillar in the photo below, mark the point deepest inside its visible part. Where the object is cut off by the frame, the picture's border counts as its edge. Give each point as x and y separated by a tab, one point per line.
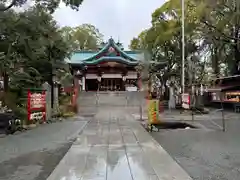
124	82
76	82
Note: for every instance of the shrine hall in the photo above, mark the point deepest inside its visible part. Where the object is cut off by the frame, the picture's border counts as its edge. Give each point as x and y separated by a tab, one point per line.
108	69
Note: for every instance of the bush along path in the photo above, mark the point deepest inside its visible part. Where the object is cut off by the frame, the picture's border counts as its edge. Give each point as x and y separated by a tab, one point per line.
16	120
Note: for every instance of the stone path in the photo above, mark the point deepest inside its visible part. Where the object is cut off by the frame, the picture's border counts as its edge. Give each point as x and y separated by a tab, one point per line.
114	146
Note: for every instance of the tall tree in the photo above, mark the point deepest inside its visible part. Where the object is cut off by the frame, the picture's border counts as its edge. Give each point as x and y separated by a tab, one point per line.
83	37
211	36
164	38
50	5
30	40
219	22
138	43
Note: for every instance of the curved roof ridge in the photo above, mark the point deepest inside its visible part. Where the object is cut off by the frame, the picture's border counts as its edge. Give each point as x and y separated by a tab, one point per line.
99	52
121	51
110	43
113	59
89	56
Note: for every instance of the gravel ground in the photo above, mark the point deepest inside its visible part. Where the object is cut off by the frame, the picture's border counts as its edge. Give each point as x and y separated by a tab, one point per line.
207	153
32	155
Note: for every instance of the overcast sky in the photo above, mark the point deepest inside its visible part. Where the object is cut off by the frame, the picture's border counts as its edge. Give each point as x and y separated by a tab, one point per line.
121	19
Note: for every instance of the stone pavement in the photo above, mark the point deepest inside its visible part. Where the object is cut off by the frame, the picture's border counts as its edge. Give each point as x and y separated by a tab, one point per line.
114	146
33	154
206	154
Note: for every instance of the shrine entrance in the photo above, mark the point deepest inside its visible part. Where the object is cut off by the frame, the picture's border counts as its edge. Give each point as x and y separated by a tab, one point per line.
110	69
111	84
91	85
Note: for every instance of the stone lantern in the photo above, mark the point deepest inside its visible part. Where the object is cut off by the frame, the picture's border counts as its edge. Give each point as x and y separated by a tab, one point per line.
172	94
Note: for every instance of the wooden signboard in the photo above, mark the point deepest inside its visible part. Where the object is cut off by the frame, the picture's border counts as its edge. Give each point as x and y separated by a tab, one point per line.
36	106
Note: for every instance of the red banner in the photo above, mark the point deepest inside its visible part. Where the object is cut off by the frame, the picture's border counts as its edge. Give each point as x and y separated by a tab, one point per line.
36	106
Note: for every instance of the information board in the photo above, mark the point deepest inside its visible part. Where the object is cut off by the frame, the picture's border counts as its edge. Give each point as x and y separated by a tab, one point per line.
36	105
153	112
186	101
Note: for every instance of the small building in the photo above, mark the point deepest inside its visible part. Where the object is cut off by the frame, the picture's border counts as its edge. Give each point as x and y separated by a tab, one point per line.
225	90
108	69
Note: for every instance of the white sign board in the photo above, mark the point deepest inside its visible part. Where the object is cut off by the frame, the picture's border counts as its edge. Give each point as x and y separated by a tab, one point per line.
112	76
36	116
91	76
37	100
132	75
131	88
186	101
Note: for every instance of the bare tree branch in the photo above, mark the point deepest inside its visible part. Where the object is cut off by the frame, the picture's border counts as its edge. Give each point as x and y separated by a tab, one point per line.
219	31
3	8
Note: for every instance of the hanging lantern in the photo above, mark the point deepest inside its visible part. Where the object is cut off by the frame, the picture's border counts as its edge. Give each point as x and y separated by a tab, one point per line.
124	78
99	78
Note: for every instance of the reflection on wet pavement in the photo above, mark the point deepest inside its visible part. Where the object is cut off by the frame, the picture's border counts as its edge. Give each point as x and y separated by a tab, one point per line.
113	146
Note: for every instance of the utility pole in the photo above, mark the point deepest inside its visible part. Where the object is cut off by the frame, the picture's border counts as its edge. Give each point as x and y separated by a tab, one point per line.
183	46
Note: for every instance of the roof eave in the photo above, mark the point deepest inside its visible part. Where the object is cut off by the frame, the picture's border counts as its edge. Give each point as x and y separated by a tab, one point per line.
111	59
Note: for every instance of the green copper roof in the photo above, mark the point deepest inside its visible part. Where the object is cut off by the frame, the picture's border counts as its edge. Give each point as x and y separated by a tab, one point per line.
109	59
93	57
79	56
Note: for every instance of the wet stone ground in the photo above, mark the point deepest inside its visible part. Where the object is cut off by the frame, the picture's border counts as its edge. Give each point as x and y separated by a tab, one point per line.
206	153
33	155
33	166
114	146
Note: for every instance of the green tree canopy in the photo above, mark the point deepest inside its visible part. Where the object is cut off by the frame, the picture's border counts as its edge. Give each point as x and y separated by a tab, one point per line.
211	37
138	43
30	40
49	5
83	37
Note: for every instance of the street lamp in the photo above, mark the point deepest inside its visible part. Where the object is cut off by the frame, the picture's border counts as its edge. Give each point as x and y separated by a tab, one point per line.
183	46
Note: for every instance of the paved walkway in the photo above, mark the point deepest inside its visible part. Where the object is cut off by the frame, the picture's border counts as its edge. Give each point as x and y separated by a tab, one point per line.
114	146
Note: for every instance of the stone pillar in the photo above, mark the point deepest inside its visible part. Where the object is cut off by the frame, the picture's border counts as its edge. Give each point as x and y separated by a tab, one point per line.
99	79
172	99
47	88
124	82
139	82
55	98
80	84
83	83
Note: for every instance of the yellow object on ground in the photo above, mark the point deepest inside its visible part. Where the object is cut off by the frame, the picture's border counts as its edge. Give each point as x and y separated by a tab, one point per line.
153	112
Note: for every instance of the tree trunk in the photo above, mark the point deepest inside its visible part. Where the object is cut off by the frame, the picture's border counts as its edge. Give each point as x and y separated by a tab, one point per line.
236	50
236	68
9	6
215	63
5	81
166	92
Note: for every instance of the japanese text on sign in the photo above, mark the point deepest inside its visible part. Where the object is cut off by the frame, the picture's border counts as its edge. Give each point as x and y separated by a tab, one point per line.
36	105
37	100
